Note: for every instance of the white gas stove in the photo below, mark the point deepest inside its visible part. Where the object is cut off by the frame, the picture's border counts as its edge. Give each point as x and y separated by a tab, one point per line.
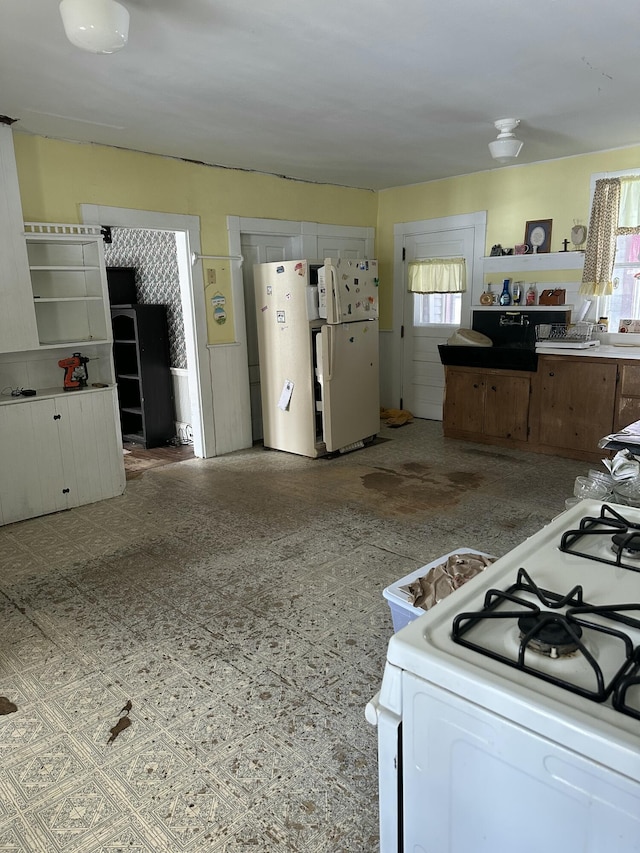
509	714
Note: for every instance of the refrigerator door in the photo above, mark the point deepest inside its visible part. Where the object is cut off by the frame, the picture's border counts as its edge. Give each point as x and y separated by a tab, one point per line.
351	290
285	343
348	372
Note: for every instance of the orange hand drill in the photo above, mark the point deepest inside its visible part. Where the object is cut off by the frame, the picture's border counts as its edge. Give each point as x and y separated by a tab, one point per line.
75	371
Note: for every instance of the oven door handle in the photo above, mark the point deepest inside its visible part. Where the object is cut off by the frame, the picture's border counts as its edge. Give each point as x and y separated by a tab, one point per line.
372	710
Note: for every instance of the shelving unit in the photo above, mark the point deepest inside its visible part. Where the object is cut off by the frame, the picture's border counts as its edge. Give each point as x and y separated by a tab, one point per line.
68	284
530	263
58	450
142	365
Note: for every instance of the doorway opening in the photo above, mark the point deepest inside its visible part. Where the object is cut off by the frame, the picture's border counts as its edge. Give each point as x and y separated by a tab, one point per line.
191	380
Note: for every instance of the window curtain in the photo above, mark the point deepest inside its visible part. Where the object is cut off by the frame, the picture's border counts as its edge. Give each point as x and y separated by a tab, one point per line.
601	240
438	275
615	211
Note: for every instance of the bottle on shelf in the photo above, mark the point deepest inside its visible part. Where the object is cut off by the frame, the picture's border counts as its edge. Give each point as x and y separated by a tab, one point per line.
516	293
603	322
532	295
488	297
505	296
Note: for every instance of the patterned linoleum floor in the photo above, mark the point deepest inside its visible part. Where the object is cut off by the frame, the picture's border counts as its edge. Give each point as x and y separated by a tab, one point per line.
236	603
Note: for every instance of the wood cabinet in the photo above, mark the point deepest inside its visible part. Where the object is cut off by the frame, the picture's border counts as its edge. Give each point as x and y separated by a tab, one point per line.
64	452
563	409
627	408
143	374
573	402
492	403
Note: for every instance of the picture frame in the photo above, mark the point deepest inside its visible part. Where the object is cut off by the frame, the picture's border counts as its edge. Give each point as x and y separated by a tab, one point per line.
537	235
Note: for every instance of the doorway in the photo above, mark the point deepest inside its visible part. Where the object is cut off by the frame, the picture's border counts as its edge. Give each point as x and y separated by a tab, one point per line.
270	240
187	237
419	372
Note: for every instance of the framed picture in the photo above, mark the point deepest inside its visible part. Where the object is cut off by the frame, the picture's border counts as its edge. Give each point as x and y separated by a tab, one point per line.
537	235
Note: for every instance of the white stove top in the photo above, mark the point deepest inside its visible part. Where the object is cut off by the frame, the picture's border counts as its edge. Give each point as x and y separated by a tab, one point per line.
427	649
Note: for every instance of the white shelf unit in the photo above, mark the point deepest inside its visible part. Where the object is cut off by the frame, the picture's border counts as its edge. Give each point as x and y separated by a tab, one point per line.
69	286
533	263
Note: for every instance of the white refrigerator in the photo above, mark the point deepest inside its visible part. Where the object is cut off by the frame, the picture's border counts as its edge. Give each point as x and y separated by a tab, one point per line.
318	351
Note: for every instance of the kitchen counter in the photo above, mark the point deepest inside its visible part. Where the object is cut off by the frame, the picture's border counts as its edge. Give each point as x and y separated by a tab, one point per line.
626	353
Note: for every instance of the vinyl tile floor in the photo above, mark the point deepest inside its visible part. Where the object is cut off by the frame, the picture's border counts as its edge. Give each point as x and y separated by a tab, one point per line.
230	611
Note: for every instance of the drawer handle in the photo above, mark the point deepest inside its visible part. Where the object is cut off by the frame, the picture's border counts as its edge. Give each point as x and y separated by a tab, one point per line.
551	373
475	385
57	417
493	388
66	491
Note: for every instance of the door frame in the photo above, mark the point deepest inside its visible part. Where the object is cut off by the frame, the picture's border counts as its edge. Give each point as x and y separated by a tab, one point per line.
307	234
187	230
401	230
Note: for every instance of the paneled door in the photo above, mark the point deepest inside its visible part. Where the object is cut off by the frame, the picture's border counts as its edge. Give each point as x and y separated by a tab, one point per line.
352	248
423	374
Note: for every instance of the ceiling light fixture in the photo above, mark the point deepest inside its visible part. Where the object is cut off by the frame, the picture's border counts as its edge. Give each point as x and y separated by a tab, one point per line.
99	26
506	147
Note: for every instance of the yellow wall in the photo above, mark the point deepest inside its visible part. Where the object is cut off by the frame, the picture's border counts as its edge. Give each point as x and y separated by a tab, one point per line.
55	177
557	190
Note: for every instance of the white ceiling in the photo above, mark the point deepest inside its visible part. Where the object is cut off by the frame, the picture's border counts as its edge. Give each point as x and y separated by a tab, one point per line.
366	94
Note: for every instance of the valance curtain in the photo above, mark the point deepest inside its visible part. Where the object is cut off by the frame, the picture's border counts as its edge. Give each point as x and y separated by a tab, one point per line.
438	275
615	211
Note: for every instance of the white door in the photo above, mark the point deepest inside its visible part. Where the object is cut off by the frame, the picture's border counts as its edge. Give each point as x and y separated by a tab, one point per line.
342	247
423	374
259	249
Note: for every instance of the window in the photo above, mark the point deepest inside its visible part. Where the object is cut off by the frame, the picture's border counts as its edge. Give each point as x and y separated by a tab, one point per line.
437	308
624	302
612	256
437	285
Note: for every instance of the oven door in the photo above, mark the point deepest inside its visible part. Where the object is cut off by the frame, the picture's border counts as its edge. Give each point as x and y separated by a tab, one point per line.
475	781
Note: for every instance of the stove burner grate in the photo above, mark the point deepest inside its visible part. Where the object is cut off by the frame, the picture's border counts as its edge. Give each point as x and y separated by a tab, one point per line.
538	626
610	524
631	679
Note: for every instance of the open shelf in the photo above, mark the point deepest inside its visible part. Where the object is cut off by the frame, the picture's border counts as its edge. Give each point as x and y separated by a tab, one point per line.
539	261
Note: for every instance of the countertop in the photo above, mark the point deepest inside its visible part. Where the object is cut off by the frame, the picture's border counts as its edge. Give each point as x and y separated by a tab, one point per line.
628	353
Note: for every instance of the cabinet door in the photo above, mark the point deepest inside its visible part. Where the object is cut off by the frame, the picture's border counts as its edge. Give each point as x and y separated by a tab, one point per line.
628	401
506	413
32	480
91	446
464	401
576	402
17	318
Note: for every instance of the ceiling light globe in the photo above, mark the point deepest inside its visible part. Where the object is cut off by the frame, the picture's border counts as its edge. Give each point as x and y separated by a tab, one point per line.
98	26
506	147
505	150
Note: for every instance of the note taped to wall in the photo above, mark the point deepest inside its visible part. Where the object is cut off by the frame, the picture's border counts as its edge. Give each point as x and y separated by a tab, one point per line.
285	395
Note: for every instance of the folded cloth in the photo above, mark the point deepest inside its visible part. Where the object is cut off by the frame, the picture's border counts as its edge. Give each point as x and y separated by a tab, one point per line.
623	466
443	579
395	417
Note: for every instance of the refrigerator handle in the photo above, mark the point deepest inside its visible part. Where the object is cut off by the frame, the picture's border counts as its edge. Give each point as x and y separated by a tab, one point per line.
335	302
331	345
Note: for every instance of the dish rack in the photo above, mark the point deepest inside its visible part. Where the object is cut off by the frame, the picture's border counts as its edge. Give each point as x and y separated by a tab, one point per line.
554	333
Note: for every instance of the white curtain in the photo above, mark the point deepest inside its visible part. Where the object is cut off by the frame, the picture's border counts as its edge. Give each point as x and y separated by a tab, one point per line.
629	212
438	275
